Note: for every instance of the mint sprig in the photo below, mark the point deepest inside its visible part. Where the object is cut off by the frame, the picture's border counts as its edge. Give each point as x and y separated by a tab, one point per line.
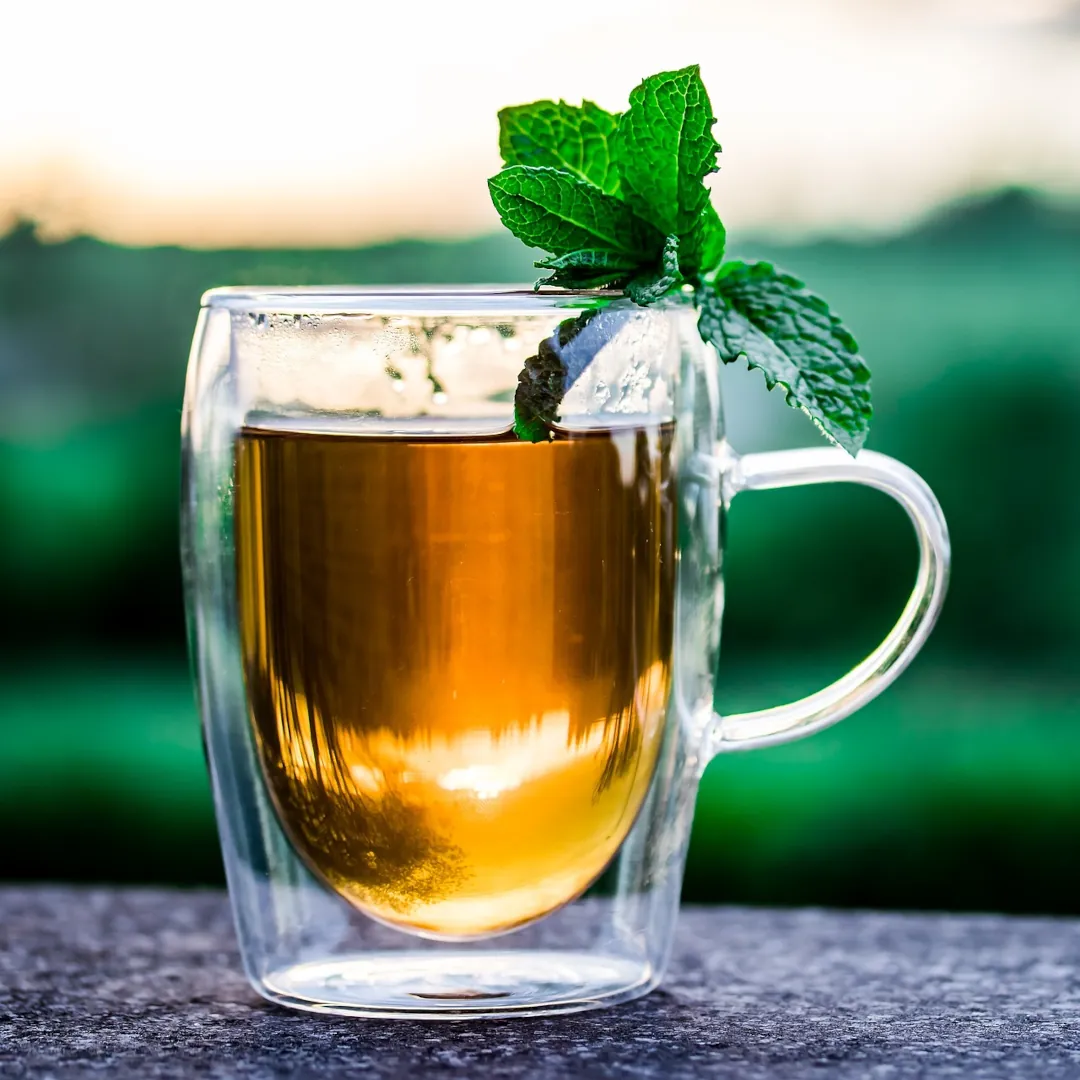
619	200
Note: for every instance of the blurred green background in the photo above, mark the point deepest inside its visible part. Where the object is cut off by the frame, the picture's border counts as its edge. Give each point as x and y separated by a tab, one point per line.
956	789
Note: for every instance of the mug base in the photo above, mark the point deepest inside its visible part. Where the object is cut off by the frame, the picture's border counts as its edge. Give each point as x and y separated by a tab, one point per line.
459	984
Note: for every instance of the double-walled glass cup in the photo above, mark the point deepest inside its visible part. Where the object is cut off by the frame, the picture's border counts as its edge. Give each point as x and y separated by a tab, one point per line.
457	687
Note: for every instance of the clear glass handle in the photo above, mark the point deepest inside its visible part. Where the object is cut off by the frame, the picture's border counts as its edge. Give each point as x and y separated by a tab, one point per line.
791	468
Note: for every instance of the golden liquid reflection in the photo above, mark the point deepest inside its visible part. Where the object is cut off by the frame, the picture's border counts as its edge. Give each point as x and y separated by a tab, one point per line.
458	660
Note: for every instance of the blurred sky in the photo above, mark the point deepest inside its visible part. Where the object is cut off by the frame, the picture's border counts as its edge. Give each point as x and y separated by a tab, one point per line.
236	123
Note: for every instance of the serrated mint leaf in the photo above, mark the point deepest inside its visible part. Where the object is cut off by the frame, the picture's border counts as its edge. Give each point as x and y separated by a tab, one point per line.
590	258
550	209
582	279
664	149
587	269
575	138
772	319
559	362
598	260
649	287
703	247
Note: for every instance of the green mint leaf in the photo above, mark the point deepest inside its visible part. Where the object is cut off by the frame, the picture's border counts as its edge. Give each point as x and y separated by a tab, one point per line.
772	319
581	279
650	286
587	269
550	209
664	148
588	258
574	138
702	249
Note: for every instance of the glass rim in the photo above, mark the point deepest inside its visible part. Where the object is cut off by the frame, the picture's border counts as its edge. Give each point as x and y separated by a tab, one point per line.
430	300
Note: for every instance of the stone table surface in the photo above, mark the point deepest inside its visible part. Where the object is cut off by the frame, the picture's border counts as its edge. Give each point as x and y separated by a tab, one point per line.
141	983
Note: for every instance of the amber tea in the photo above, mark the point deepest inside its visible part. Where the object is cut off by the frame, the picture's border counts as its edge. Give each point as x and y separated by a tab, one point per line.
458	653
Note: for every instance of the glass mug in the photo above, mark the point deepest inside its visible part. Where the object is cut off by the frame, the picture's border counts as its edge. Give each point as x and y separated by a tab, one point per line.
457	688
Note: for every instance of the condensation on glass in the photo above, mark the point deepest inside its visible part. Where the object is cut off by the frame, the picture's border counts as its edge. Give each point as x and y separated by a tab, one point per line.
457	688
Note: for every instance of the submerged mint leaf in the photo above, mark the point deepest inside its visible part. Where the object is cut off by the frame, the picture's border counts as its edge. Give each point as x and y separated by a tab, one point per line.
772	319
649	287
664	149
559	362
550	209
543	382
575	138
540	389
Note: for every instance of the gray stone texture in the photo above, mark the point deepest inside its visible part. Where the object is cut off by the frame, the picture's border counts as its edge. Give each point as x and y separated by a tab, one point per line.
132	983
